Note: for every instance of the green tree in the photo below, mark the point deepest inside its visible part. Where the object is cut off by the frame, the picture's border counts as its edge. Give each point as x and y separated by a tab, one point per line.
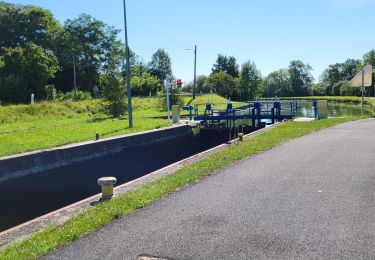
25	71
174	97
21	25
250	81
369	58
339	72
144	84
224	84
113	89
202	85
320	89
300	77
160	65
277	83
90	42
226	64
112	84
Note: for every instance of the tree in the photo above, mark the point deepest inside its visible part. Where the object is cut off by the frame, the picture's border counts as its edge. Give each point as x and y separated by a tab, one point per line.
277	83
160	65
321	89
349	69
202	85
113	89
339	72
112	84
300	77
24	71
174	97
144	84
250	81
369	58
21	25
89	42
226	64
223	83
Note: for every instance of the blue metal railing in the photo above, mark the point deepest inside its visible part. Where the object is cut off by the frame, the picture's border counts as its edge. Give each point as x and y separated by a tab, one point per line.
246	113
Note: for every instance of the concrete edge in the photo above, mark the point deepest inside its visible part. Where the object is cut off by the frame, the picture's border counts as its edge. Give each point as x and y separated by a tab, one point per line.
88	142
57	217
21	165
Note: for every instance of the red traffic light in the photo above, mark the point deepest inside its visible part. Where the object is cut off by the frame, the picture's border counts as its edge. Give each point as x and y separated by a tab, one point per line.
179	83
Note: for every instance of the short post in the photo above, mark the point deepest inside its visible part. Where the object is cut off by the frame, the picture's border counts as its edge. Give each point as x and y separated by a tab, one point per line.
240	137
175	114
258	108
107	187
97	136
190	109
253	117
315	108
32	99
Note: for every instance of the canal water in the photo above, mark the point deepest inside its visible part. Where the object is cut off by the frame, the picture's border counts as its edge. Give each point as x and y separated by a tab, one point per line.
335	109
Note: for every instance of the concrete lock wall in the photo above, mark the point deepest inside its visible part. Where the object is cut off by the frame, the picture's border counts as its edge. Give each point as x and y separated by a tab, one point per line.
31	163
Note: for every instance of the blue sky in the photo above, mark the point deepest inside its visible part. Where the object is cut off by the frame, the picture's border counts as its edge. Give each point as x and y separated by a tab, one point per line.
269	32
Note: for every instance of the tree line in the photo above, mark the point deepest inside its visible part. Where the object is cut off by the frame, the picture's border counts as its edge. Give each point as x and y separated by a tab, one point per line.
41	56
247	83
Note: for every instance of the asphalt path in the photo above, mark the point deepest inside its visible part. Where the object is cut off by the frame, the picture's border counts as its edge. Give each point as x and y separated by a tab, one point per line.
310	198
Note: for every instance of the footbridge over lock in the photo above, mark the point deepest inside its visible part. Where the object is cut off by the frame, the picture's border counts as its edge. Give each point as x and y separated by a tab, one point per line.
242	117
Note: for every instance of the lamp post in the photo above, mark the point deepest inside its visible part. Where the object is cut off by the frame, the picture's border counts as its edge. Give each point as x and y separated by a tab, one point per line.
130	115
195	70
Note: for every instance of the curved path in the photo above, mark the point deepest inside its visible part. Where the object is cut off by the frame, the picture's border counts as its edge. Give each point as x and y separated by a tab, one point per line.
313	197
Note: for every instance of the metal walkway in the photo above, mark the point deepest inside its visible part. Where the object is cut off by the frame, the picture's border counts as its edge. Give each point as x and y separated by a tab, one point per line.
255	114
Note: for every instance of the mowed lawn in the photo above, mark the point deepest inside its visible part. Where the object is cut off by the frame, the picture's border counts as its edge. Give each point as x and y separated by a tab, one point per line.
49	124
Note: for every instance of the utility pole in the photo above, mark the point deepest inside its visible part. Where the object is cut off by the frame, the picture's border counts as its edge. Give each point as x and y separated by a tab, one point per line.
195	71
130	115
74	73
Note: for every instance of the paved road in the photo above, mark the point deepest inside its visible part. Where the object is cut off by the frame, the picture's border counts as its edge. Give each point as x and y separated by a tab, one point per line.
309	198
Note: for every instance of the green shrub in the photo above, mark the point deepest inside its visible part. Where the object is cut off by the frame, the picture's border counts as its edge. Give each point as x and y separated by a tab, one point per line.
175	98
113	91
51	92
74	95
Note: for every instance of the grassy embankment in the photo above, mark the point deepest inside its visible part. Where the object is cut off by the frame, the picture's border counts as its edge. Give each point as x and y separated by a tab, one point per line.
49	124
52	238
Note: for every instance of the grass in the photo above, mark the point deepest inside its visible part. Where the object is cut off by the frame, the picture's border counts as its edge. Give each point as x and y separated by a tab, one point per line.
48	240
49	124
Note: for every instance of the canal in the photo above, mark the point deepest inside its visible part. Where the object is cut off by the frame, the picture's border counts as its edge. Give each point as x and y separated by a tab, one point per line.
335	109
26	198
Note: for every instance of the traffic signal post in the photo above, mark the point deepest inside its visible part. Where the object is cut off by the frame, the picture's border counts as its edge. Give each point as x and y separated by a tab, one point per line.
179	83
166	85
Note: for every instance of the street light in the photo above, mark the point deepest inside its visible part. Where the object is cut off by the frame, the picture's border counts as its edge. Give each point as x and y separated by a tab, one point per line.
195	69
128	71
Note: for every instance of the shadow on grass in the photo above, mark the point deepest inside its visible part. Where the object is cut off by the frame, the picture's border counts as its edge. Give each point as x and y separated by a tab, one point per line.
189	102
98	119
